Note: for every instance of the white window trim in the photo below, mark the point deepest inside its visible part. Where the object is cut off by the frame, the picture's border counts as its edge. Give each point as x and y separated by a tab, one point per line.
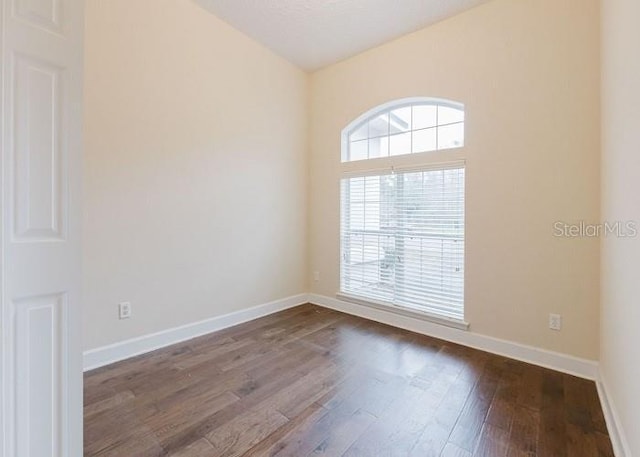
459	324
417	167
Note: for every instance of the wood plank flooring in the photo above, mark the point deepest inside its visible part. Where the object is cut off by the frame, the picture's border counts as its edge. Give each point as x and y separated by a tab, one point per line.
310	381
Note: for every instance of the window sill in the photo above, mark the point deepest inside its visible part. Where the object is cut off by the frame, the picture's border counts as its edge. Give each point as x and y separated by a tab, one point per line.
459	324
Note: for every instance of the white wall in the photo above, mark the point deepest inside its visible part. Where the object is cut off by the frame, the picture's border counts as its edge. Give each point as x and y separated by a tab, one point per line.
619	360
528	73
195	169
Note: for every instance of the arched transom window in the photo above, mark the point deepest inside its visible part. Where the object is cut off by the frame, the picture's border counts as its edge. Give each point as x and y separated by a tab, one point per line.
403	128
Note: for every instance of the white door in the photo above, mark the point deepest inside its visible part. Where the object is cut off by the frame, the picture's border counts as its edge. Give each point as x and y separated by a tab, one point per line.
41	176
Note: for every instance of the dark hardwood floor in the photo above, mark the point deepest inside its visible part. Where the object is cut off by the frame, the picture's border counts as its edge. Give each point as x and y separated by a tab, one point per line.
309	381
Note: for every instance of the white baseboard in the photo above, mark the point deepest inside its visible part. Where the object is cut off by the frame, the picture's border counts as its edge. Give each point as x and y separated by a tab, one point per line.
614	425
554	360
106	355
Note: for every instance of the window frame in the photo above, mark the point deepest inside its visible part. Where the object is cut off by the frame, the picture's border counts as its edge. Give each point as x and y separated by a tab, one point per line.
405	163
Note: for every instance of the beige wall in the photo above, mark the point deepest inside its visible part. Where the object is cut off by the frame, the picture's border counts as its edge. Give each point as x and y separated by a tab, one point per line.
196	164
528	72
195	169
619	361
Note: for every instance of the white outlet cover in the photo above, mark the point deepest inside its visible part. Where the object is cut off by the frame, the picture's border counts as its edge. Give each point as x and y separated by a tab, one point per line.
124	310
555	321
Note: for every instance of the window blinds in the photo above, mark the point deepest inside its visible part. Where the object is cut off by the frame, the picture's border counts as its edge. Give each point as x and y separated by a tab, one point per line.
402	240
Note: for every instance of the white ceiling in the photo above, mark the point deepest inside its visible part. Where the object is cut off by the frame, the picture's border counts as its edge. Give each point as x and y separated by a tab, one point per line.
316	33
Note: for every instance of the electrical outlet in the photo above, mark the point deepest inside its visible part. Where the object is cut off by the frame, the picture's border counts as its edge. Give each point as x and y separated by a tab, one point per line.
316	276
124	310
555	322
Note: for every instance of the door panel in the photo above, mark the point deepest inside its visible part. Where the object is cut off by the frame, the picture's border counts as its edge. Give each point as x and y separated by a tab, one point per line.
42	13
40	355
41	179
39	206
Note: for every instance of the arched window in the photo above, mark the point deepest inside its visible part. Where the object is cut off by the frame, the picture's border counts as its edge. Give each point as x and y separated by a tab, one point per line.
404	127
402	229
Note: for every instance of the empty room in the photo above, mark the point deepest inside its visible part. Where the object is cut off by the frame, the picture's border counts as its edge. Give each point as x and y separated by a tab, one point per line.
320	227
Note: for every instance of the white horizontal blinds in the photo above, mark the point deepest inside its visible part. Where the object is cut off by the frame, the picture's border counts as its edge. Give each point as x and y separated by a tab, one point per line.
407	129
402	239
